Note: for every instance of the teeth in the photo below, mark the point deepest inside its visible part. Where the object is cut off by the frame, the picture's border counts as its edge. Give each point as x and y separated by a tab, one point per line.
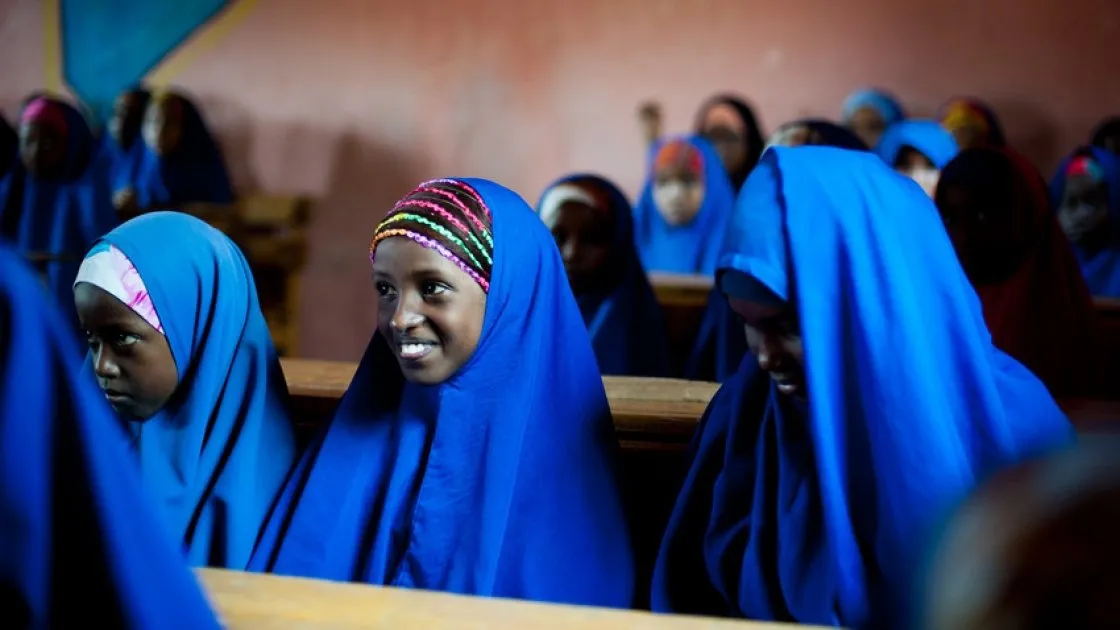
410	349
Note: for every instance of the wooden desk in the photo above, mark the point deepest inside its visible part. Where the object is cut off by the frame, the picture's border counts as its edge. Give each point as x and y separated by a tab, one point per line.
683	299
260	602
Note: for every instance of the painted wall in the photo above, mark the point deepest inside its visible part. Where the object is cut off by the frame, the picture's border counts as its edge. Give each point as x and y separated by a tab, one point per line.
353	101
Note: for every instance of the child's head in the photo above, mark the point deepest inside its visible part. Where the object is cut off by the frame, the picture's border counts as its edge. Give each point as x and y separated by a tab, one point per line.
578	214
972	124
432	256
1083	208
128	115
1107	135
678	182
868	114
164	122
43	134
131	357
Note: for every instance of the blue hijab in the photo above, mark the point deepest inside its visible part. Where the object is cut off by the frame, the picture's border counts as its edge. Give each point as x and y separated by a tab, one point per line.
888	107
216	456
501	481
691	248
1101	266
626	326
195	172
818	511
124	162
10	171
63	215
927	137
78	540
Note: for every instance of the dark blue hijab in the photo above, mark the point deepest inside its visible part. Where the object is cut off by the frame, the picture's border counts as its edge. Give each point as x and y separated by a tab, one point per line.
692	248
195	172
626	325
1100	265
216	456
79	543
501	481
125	161
63	215
818	511
10	191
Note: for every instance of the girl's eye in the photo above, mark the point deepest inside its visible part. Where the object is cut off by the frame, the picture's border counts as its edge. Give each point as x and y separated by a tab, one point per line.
431	287
384	289
125	339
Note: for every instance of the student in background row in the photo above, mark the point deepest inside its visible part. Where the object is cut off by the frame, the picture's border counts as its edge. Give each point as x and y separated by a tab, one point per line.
474	450
1106	135
973	123
182	163
730	125
877	402
868	113
122	146
918	149
593	225
64	202
79	544
181	351
11	184
816	132
996	209
1086	193
680	217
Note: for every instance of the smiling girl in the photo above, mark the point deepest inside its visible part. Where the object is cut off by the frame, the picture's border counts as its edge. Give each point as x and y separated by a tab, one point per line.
474	451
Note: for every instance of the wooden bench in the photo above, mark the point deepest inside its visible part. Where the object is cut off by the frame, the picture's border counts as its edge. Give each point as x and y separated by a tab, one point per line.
246	600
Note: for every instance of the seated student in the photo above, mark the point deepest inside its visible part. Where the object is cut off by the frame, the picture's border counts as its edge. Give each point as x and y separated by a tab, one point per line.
182	163
973	123
64	202
918	149
1086	193
122	148
474	450
815	132
1106	135
79	544
11	179
868	113
593	225
730	124
997	212
679	220
181	350
1036	548
876	402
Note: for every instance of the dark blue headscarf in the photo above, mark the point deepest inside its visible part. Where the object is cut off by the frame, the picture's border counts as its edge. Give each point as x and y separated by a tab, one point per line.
691	248
500	481
124	162
62	216
195	172
626	326
927	137
818	511
216	456
1101	267
79	544
829	134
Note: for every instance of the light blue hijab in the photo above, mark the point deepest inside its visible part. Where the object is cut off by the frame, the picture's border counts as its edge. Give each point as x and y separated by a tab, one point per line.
927	137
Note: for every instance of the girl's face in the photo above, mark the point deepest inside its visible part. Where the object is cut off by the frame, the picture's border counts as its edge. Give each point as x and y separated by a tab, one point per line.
728	134
989	235
163	125
774	337
132	361
128	116
430	312
1083	212
583	235
42	148
867	123
919	168
678	186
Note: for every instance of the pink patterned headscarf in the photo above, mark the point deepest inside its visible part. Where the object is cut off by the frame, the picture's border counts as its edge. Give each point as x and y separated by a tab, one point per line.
107	268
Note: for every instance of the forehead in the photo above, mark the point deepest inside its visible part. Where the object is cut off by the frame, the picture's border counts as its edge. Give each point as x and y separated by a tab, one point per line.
401	257
724	115
1082	183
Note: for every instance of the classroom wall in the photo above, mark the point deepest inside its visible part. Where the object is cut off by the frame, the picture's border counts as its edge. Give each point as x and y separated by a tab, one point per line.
353	101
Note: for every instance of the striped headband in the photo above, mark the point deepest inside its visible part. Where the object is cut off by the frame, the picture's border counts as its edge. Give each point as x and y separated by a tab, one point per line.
107	268
679	153
444	215
44	110
1085	165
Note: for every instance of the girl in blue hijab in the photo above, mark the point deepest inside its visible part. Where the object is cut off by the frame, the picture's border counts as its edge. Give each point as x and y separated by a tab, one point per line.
122	147
873	401
918	149
474	451
182	163
1086	193
680	217
593	225
181	351
870	112
64	202
78	542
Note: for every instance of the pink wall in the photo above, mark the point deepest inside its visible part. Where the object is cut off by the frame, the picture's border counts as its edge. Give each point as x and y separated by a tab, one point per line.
353	101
